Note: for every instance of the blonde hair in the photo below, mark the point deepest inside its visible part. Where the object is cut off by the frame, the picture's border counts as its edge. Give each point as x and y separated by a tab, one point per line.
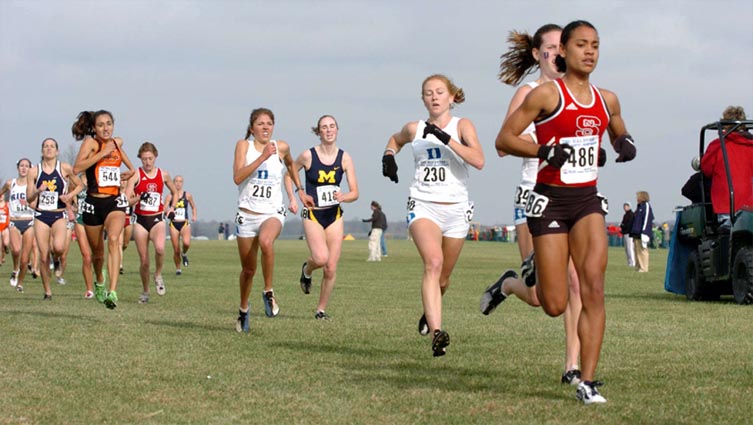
642	196
455	91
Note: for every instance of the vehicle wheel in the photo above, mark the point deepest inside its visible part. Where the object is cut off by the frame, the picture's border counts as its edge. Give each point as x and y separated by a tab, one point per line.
742	276
694	281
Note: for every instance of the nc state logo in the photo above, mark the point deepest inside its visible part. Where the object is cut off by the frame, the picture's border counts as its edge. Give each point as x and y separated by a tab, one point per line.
151	187
588	125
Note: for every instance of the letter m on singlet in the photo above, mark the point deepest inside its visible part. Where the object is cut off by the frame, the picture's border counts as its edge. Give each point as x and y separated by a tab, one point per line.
326	177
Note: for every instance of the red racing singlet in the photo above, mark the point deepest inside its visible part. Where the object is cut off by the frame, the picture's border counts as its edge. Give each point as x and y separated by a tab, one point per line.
580	126
151	203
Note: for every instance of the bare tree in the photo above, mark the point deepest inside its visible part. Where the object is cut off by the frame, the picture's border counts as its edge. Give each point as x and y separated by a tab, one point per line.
69	154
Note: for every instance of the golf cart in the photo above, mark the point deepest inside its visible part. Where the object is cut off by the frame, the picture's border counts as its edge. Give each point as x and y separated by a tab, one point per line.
712	258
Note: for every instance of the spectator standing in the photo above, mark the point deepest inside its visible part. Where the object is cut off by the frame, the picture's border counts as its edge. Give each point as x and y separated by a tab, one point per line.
642	230
625	227
378	224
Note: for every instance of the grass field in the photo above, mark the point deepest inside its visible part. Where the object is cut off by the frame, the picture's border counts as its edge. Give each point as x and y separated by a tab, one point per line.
179	360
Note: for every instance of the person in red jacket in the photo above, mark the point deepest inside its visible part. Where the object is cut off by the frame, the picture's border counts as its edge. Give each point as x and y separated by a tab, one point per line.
740	155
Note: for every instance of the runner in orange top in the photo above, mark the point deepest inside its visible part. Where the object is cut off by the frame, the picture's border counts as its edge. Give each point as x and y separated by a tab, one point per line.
101	156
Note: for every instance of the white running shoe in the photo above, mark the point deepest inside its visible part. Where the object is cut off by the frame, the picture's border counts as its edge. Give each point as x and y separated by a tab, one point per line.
160	285
14	278
588	394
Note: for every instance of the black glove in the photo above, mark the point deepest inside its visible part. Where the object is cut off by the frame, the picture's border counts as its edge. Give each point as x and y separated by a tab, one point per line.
144	196
555	155
602	157
171	216
437	132
389	167
625	148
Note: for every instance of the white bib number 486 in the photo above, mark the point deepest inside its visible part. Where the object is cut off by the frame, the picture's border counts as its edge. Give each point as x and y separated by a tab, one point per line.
536	204
581	167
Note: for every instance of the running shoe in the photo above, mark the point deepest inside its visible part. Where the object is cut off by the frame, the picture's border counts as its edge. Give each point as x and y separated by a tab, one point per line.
47	297
61	281
440	343
571	377
493	296
14	278
185	260
144	298
112	300
423	326
160	284
528	270
19	288
89	295
588	393
121	270
320	315
34	274
56	267
271	309
305	281
178	272
100	292
241	325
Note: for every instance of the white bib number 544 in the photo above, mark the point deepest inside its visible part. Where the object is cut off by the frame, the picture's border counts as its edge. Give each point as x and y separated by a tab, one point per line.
536	204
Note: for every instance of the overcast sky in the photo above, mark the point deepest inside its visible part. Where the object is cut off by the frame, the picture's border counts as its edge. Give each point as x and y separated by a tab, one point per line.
185	75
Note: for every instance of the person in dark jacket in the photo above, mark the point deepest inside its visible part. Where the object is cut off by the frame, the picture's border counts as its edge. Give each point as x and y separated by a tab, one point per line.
378	223
642	230
625	227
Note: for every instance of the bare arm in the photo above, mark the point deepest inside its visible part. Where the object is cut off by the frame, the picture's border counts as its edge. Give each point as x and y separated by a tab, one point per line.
469	149
401	138
173	191
241	171
540	101
515	102
287	159
125	159
32	191
73	178
616	124
189	198
350	174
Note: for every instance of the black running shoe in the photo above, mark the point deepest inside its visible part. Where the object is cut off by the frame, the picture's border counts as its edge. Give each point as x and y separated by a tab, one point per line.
571	377
320	315
47	297
305	281
423	327
528	270
440	343
185	260
493	296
